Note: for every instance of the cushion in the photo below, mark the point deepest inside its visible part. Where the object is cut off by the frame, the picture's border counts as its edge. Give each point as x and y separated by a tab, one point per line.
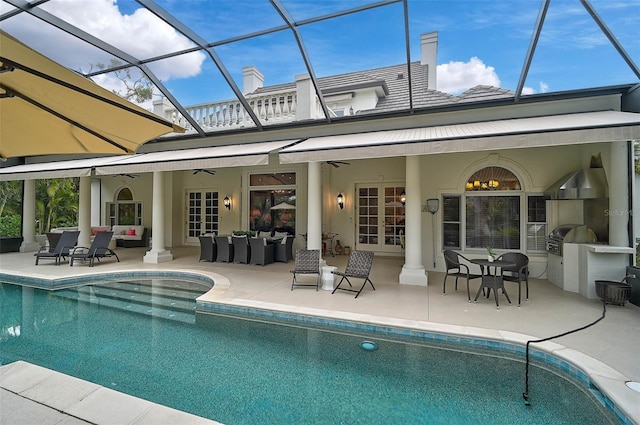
263	234
120	232
279	235
131	232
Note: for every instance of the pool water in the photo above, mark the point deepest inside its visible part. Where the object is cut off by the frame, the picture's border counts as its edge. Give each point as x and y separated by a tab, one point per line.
245	372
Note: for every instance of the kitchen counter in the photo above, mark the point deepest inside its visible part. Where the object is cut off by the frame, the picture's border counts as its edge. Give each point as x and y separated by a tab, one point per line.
583	264
601	262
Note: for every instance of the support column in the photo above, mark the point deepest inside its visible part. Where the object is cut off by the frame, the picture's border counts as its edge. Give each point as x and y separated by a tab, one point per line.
158	253
84	212
413	272
29	243
619	215
314	210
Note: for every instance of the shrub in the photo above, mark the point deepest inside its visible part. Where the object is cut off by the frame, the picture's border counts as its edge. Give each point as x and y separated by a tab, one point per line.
10	225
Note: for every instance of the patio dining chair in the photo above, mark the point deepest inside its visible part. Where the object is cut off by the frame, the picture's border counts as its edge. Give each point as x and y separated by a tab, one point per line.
224	249
99	249
207	248
307	261
359	267
262	251
241	249
68	239
456	267
284	250
518	273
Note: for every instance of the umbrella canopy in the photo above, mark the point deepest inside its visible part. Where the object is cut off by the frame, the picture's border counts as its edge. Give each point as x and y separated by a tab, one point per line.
46	108
283	206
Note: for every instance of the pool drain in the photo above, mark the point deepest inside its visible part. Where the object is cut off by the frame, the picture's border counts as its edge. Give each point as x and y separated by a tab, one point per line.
368	345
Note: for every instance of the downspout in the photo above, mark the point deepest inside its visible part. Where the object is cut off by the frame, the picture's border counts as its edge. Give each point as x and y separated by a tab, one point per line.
630	177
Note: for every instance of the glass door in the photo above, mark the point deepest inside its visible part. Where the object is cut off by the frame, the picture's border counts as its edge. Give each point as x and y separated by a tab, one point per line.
202	214
381	220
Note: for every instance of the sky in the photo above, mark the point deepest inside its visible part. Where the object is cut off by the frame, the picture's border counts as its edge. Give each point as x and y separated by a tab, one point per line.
480	42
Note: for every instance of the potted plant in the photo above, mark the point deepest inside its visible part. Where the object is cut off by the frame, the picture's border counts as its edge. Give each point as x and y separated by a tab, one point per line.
491	255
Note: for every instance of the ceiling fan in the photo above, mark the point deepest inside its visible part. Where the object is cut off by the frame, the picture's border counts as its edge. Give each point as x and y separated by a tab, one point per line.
202	170
131	176
338	163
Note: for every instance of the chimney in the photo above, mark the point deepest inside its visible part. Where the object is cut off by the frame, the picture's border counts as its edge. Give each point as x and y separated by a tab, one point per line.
252	79
429	54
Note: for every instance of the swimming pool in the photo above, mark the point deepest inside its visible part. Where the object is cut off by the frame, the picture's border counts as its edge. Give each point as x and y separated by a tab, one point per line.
238	371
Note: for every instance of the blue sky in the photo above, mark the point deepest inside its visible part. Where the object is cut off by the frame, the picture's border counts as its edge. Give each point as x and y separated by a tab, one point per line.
480	42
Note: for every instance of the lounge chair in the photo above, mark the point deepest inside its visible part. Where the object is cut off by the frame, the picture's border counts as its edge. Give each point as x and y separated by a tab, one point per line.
68	239
518	273
359	267
262	251
455	267
99	249
307	261
207	248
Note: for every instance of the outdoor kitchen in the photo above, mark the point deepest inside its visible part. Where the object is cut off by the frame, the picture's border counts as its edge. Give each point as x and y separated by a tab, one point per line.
578	247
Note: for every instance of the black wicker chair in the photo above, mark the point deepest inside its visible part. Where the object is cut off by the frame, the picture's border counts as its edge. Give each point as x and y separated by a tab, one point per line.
359	267
516	274
307	261
262	252
224	249
284	250
207	248
455	267
241	249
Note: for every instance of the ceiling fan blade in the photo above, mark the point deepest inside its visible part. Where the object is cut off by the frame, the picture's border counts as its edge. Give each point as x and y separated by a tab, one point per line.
202	170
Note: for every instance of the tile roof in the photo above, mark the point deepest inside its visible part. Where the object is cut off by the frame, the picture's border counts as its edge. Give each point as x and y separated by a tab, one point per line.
394	80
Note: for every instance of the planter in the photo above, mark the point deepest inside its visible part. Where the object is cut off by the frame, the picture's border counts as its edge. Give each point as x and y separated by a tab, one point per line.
613	292
10	244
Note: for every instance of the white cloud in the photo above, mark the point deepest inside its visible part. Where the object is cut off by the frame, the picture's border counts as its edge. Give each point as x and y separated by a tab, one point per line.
455	77
140	34
544	87
528	90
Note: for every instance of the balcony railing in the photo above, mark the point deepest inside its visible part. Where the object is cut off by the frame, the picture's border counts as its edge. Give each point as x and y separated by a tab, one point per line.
230	114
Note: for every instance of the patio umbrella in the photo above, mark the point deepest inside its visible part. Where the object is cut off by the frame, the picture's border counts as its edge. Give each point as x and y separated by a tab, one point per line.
46	108
283	206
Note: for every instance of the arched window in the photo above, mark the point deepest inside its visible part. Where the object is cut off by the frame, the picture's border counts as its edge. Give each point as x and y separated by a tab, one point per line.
125	211
493	178
491	209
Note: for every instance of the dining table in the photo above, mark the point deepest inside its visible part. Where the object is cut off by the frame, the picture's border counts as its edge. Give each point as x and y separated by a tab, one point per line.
492	278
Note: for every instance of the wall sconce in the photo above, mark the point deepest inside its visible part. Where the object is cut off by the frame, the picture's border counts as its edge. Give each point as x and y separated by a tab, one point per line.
227	203
403	198
340	200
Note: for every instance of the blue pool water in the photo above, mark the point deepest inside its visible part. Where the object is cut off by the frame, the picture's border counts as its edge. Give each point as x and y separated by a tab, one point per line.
144	340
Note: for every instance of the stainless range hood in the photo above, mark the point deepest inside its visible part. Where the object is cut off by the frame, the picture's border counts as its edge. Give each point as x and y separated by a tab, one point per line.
588	183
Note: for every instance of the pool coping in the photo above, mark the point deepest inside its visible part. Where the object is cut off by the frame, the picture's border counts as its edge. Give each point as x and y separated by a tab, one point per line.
593	373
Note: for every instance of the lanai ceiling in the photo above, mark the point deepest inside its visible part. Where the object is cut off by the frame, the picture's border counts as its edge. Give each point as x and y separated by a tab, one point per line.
193	51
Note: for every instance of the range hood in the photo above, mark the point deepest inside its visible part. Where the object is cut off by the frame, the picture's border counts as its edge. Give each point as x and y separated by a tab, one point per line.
588	183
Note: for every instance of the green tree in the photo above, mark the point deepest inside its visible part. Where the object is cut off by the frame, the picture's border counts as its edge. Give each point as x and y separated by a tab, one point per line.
137	90
10	208
56	203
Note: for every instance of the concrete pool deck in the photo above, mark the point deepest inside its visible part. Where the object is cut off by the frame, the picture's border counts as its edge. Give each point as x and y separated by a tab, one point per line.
608	351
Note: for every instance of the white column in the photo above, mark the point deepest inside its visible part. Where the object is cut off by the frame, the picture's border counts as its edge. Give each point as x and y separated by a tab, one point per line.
84	212
96	202
314	207
413	272
158	253
29	243
619	215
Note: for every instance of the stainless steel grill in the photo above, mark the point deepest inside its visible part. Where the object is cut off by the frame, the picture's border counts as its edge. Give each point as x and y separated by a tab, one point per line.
569	233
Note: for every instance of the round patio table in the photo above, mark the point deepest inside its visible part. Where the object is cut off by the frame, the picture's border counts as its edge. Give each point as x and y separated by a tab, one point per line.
492	280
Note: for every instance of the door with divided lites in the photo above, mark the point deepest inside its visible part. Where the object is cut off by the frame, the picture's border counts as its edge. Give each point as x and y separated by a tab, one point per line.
380	218
202	215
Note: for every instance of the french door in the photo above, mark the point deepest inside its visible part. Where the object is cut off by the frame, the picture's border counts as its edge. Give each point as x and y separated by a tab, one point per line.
202	214
381	224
